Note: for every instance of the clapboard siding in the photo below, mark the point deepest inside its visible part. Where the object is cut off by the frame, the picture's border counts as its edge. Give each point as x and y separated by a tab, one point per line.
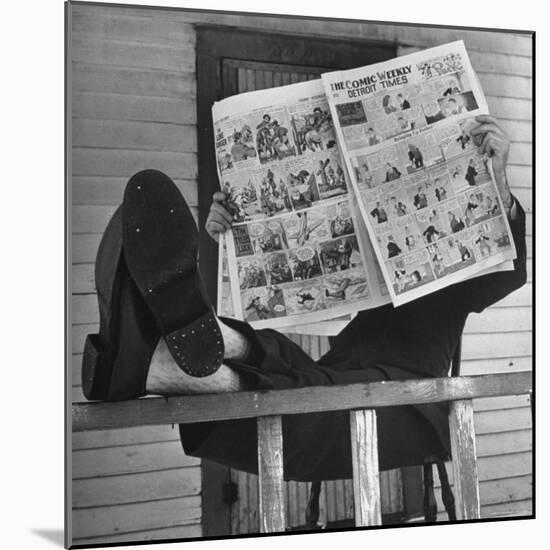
123	162
164	533
137	516
134	107
130	488
142	136
112	52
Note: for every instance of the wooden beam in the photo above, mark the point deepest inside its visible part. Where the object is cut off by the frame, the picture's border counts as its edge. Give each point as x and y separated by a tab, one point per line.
463	450
366	477
270	475
206	408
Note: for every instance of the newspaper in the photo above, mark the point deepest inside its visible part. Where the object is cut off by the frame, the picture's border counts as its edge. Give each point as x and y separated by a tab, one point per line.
427	196
225	304
298	251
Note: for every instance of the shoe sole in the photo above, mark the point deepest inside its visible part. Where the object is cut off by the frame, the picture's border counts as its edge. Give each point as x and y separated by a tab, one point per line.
161	245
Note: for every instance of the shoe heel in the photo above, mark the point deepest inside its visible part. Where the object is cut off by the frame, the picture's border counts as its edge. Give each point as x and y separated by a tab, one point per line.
198	347
95	378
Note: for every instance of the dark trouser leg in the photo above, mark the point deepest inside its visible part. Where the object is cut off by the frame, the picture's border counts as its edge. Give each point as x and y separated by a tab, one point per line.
316	446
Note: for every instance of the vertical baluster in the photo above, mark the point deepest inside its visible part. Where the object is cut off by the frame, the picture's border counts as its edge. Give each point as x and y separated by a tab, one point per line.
463	448
366	477
270	472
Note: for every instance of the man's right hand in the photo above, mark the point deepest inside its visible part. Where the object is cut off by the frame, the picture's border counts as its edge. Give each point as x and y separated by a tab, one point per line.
219	219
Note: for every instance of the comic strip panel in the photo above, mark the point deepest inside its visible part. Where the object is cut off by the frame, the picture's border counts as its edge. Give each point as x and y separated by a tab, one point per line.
305	263
345	287
313	128
459	249
442	188
449	216
422	191
277	268
273	136
331	180
410	271
251	272
267	236
375	169
455	138
490	238
447	97
242	197
340	254
263	303
402	236
235	145
242	240
391	242
273	196
305	228
419	151
339	219
396	200
357	130
431	225
376	206
479	204
451	254
304	297
351	114
468	171
391	114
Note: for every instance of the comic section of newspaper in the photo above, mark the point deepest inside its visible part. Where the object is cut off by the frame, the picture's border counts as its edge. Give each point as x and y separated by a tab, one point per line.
294	253
427	195
225	304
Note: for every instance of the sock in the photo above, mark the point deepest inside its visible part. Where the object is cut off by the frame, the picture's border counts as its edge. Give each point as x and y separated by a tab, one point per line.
235	343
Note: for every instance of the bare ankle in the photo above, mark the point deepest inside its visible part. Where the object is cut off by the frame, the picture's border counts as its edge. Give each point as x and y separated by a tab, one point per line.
236	344
166	378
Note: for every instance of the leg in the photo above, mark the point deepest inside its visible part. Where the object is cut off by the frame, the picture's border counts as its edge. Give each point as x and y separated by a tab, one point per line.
165	377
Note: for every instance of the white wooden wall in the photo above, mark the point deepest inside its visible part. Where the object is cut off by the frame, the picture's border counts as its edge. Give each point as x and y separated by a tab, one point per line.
133	108
133	104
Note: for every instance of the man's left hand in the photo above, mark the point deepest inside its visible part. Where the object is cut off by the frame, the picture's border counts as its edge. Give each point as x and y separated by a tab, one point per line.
496	145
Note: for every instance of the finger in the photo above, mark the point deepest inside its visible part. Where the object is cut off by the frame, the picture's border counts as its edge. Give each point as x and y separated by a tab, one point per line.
486	118
490	145
486	127
219	219
222	211
215	236
214	227
219	196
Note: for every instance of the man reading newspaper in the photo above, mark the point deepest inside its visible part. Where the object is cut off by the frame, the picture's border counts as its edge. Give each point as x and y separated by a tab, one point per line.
159	335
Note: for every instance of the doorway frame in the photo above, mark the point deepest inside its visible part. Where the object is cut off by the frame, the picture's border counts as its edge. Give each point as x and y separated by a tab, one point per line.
214	44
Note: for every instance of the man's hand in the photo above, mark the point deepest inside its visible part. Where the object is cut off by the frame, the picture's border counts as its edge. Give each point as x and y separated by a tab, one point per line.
496	145
219	219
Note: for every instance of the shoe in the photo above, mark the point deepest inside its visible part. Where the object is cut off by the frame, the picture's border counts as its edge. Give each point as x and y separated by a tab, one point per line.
115	361
100	349
160	244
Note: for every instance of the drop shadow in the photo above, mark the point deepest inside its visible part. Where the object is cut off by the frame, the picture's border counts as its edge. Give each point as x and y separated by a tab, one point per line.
57	536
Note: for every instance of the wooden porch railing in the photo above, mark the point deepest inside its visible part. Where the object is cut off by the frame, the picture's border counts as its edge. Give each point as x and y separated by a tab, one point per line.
359	399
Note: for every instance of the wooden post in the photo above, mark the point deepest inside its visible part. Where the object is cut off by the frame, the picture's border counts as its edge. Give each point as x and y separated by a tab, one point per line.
366	478
463	449
270	474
